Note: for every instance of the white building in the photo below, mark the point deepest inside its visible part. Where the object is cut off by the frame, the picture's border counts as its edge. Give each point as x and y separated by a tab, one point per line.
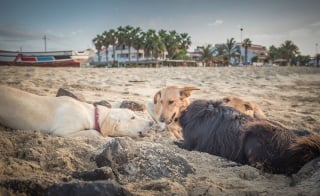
122	54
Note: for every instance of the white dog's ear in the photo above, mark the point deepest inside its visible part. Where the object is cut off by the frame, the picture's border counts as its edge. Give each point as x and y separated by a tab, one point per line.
186	91
156	97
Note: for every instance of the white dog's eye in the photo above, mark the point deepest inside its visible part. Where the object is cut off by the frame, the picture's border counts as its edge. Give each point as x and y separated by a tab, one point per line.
133	117
171	102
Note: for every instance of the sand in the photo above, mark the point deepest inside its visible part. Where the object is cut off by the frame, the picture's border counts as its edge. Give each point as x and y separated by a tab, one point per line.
290	95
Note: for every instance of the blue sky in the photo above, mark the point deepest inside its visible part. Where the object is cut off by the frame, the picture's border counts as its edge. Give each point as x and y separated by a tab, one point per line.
71	24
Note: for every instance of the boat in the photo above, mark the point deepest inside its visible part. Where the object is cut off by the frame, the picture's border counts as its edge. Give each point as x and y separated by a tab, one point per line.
83	56
66	58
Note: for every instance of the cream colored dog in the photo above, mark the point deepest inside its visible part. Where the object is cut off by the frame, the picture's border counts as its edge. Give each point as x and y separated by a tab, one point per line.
65	116
167	105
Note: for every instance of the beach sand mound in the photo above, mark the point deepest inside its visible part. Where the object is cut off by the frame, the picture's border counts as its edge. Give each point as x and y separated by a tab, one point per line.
33	163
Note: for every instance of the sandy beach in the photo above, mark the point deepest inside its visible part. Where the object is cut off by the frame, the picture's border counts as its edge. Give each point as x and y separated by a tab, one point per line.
31	161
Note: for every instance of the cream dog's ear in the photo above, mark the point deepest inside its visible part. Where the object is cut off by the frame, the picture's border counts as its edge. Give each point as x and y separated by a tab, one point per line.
186	91
156	97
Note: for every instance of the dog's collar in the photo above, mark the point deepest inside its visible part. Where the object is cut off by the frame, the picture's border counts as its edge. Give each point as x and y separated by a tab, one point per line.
96	118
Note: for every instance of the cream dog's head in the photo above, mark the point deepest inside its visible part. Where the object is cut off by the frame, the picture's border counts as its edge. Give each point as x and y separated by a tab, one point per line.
170	101
124	122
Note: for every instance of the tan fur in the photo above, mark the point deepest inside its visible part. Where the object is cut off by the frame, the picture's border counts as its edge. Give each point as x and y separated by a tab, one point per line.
65	116
167	105
246	107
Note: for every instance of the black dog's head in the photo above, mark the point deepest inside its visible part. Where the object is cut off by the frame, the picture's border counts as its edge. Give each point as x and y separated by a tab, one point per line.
209	113
208	124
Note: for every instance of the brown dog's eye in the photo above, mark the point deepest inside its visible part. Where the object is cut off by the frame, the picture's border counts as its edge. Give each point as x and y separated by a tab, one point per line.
132	118
171	102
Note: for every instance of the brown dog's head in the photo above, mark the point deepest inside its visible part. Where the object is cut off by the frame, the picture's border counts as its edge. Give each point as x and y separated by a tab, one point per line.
170	101
246	107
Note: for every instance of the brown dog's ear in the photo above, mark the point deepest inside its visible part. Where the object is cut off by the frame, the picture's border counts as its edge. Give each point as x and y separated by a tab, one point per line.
156	97
186	91
226	99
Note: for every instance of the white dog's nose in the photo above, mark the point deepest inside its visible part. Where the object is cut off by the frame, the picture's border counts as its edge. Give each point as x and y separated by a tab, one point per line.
151	123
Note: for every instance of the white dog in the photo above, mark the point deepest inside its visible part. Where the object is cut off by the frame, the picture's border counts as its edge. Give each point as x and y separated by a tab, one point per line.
65	116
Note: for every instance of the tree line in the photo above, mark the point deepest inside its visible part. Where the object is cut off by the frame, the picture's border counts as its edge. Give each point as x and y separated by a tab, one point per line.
154	43
288	52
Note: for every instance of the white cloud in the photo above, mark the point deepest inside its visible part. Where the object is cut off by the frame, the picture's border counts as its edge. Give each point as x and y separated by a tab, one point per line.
216	23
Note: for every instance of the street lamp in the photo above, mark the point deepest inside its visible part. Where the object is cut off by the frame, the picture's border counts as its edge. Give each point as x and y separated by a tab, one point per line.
241	29
316	56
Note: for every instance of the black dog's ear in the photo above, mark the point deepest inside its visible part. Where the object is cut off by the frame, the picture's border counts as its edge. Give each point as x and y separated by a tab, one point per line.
186	91
156	97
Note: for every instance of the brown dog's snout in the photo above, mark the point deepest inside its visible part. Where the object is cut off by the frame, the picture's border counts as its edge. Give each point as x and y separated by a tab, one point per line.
162	119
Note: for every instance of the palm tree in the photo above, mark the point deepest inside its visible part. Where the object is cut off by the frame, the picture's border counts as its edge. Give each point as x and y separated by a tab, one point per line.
139	42
290	50
185	41
207	53
164	36
129	34
246	44
159	46
106	41
303	60
113	42
154	45
171	41
273	53
121	37
148	47
231	49
97	41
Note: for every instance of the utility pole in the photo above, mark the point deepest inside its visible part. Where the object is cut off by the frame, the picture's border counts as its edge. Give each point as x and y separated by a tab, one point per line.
45	42
241	29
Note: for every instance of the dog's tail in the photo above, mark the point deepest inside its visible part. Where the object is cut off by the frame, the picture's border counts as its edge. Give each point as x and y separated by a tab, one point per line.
303	150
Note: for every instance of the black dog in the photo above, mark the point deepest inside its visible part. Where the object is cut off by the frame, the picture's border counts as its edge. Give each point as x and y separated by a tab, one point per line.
212	127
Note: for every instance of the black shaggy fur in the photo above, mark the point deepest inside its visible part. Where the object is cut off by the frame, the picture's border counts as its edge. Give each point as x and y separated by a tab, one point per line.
212	127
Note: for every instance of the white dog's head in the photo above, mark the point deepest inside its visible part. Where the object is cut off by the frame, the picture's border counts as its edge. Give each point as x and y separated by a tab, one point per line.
124	122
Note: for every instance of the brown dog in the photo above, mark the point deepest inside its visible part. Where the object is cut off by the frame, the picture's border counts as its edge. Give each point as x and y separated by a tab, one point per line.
246	107
167	105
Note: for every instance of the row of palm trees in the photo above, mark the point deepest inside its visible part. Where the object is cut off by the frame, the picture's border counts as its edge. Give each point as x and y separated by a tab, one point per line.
288	51
224	52
154	43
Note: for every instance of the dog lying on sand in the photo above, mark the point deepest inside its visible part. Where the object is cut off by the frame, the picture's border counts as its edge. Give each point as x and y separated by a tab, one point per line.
170	101
218	129
65	116
167	105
